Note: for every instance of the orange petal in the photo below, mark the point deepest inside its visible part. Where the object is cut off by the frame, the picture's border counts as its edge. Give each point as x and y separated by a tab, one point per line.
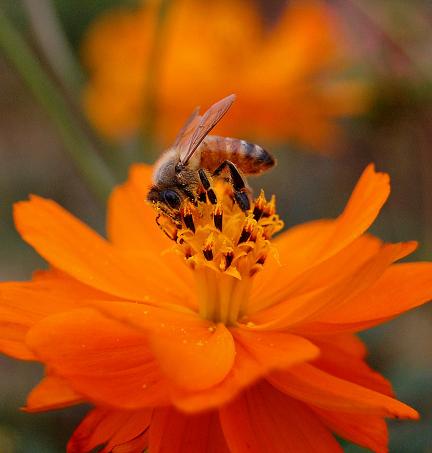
364	430
200	360
314	386
298	250
366	201
111	428
345	343
343	263
137	444
61	285
336	360
193	353
263	419
274	350
308	305
172	431
22	304
256	354
244	372
131	220
72	247
401	288
12	340
307	245
99	358
51	393
132	228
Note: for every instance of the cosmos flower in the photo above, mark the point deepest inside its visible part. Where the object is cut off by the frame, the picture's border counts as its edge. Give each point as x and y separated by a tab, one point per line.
291	76
221	340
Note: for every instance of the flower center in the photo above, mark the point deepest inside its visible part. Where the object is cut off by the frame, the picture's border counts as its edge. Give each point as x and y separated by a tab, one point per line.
225	247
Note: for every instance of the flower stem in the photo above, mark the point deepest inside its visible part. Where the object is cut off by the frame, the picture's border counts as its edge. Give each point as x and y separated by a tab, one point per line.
53	42
93	169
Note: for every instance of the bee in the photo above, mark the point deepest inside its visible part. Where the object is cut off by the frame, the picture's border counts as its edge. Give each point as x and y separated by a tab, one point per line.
186	170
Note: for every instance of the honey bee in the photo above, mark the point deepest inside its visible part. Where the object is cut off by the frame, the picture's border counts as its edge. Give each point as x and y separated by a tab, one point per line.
186	170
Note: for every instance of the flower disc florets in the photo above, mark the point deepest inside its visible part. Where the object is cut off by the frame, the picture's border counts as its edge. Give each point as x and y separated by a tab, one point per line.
225	247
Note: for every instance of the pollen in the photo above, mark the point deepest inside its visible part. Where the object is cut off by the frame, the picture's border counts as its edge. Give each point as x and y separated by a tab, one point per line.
225	247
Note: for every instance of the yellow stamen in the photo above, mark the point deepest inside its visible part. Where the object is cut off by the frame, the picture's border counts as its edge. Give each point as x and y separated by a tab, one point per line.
226	247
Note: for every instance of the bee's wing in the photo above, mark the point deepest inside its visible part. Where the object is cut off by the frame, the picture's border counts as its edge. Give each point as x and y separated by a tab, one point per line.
185	133
206	124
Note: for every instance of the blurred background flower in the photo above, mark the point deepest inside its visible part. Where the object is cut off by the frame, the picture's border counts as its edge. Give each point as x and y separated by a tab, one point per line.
290	72
335	75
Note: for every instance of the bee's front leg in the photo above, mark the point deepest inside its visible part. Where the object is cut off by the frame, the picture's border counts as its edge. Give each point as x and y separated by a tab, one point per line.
207	186
170	228
184	188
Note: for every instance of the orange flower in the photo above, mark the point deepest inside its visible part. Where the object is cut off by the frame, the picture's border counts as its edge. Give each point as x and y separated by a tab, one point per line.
213	345
289	78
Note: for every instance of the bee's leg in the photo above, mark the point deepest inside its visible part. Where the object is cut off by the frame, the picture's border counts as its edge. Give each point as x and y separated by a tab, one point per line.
189	194
207	186
171	234
238	183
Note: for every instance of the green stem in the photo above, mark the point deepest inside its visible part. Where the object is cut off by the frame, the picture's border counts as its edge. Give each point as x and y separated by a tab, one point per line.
53	43
94	170
396	49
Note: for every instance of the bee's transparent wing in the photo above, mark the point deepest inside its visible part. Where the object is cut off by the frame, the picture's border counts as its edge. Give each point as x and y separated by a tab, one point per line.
206	124
185	133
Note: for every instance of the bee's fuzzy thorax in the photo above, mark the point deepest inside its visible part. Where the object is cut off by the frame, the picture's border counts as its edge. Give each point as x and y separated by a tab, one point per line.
164	167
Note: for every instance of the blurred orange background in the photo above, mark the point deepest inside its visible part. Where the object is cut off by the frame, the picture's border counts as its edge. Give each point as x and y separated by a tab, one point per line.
328	86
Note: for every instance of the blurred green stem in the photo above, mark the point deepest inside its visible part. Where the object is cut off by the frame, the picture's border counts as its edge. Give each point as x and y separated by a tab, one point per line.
153	66
53	43
94	170
401	58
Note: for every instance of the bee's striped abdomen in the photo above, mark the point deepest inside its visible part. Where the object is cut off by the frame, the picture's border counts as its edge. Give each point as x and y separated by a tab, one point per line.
249	158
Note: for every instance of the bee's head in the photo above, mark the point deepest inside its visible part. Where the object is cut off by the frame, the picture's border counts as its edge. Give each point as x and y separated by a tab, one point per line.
168	197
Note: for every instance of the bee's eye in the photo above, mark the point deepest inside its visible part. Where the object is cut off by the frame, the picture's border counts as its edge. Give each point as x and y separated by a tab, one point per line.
171	198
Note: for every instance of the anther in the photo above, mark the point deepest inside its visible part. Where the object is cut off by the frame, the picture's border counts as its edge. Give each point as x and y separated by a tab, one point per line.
208	248
188	221
261	260
229	256
245	235
254	270
270	208
246	232
260	203
187	218
208	254
202	197
217	217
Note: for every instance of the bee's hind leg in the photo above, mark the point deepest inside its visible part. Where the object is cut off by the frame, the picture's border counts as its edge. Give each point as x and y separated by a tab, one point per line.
239	185
207	186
